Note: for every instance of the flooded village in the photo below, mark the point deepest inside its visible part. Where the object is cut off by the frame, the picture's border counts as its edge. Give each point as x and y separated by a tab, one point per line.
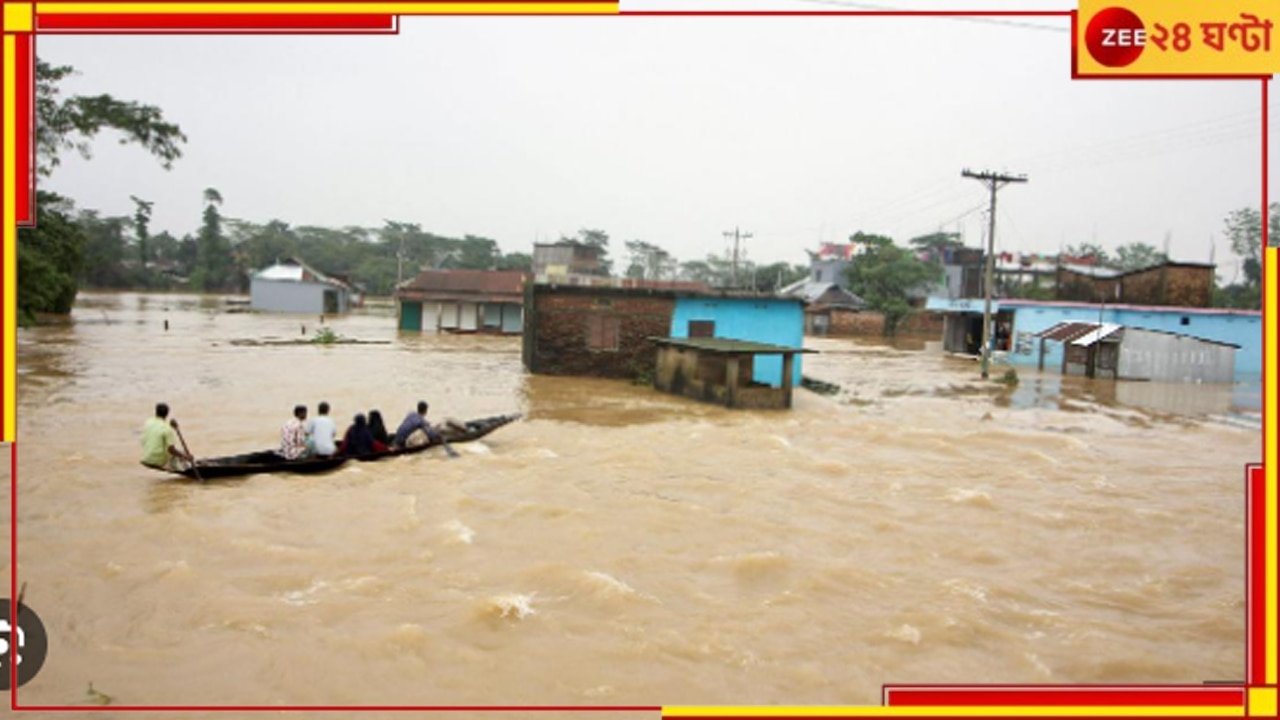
659	457
648	529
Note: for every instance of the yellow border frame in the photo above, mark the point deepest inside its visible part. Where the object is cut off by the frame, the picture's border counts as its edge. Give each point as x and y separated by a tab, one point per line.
20	18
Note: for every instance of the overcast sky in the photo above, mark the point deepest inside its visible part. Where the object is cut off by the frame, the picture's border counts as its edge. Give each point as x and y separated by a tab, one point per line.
673	130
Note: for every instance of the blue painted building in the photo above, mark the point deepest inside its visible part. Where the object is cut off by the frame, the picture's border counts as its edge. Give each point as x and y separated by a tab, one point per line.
1027	318
777	321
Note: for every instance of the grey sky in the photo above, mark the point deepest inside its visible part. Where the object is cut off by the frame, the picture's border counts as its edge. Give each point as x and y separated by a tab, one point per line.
675	129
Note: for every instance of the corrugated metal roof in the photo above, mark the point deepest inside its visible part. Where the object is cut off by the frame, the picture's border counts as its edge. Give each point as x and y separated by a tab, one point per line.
1104	331
294	270
1080	333
811	291
466	282
282	272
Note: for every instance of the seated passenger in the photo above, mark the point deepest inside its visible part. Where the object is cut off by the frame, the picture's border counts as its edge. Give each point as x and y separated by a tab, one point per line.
378	428
359	439
414	432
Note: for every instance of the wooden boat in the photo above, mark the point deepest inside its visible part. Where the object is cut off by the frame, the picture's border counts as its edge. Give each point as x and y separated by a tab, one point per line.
270	461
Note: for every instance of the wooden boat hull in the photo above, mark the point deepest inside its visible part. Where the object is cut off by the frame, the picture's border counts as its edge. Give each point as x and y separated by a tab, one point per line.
269	461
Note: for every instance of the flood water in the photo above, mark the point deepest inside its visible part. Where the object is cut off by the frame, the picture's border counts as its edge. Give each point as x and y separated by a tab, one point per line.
617	546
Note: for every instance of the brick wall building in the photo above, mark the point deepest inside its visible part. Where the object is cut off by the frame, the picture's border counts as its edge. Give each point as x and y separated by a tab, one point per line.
594	331
1170	284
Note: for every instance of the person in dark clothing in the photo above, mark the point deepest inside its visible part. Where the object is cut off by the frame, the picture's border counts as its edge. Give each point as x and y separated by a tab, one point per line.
415	431
359	439
378	428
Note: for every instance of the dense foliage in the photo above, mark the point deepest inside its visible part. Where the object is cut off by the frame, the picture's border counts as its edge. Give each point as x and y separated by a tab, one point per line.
886	275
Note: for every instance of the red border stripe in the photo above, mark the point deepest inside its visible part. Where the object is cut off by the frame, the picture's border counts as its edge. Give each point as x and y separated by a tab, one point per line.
1088	697
214	21
25	107
1257	589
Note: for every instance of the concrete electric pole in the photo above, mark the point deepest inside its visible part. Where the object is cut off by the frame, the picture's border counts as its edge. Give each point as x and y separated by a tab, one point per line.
737	238
993	181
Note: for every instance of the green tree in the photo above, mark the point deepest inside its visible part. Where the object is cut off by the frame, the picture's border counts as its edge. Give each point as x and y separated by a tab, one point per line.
885	275
477	253
71	123
1244	232
647	261
214	270
936	242
769	278
598	239
871	240
50	257
142	234
260	246
516	261
1137	255
1090	250
105	250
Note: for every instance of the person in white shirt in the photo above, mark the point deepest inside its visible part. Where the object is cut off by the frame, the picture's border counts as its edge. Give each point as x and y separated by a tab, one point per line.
323	432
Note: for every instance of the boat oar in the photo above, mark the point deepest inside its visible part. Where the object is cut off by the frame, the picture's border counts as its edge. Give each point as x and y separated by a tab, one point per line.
452	453
187	450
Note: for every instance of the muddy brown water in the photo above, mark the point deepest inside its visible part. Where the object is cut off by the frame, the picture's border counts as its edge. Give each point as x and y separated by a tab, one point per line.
617	546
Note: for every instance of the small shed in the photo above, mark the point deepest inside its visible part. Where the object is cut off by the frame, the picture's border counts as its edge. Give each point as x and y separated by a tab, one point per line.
292	286
1089	349
1175	357
721	371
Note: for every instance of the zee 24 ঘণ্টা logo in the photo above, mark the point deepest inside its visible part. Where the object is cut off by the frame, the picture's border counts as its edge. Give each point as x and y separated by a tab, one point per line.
1116	36
25	642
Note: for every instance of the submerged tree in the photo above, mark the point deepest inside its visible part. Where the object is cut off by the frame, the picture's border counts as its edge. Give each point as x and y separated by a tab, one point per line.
49	260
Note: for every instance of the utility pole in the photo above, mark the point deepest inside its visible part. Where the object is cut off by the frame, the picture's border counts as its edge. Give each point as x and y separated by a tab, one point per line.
738	237
993	182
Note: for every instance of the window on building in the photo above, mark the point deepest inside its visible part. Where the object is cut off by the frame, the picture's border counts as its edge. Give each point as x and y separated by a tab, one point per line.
603	332
1186	320
702	328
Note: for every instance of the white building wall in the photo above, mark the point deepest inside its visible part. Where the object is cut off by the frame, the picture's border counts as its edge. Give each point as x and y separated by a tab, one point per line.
468	316
289	296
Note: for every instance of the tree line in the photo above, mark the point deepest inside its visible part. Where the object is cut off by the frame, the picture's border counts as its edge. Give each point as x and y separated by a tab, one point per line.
71	247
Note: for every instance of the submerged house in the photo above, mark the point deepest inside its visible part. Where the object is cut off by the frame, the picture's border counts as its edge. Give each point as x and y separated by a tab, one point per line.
292	286
488	301
830	309
722	371
616	332
1148	327
1107	350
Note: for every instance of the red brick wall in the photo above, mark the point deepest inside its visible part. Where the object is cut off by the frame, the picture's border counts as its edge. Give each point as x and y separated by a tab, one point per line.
1178	286
922	323
868	323
846	323
560	324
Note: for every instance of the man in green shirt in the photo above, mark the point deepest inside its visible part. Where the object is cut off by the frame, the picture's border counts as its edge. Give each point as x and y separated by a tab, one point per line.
160	441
